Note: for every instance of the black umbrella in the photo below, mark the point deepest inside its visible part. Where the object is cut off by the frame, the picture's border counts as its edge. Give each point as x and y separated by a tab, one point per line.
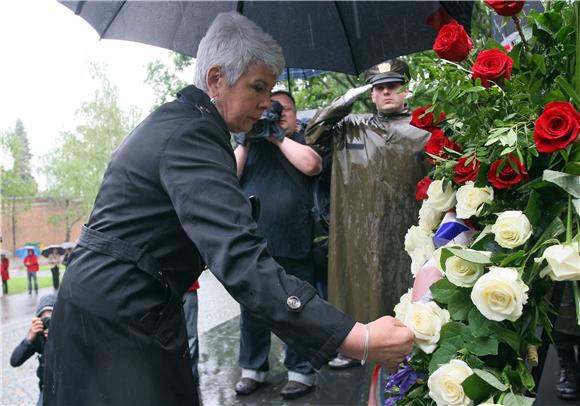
341	36
49	248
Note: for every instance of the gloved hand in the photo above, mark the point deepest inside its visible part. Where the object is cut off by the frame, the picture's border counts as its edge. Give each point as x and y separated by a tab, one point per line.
352	94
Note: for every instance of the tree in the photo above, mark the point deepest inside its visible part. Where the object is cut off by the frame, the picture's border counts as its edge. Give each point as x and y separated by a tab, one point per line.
18	185
75	168
164	79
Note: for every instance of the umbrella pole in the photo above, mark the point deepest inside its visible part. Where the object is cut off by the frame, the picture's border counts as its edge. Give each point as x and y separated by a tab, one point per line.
288	79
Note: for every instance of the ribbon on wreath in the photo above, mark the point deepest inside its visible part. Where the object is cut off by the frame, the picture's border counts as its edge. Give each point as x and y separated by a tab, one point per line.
453	230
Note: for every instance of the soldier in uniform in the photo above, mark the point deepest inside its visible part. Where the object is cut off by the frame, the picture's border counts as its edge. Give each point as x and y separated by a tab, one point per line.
376	165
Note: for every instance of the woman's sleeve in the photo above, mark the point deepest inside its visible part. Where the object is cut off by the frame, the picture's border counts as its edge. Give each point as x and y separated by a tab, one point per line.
21	353
198	171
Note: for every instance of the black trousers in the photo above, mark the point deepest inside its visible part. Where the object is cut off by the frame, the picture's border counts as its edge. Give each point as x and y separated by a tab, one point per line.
55	276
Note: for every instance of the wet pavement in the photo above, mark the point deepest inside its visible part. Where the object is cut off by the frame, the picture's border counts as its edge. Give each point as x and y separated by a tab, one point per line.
219	339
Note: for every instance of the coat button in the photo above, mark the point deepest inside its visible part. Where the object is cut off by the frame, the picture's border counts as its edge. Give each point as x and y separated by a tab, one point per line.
293	303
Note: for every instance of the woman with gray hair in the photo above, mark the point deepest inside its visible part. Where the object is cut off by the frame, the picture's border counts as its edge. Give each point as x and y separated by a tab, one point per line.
170	202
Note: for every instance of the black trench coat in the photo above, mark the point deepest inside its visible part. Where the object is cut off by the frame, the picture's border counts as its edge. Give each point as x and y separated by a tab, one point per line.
169	203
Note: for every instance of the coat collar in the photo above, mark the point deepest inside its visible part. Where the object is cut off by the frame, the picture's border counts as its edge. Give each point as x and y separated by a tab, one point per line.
397	114
198	99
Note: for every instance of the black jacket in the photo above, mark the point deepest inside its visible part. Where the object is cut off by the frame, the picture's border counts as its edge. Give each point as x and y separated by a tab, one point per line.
27	349
170	190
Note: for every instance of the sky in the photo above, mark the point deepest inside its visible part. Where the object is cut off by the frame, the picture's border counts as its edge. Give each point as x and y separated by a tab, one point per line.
46	52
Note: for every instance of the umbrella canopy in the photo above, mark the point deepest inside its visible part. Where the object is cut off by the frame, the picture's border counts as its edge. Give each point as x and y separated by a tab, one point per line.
49	248
23	251
68	245
5	252
341	36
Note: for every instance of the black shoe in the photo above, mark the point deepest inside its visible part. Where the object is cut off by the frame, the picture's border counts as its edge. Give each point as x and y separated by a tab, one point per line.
293	390
568	386
247	386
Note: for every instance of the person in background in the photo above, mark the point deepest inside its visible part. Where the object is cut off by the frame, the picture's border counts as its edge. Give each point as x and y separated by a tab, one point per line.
567	343
54	262
170	203
190	310
376	164
5	269
31	264
279	172
34	341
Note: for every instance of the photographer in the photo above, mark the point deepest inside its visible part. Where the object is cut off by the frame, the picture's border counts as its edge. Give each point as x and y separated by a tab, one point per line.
35	339
274	164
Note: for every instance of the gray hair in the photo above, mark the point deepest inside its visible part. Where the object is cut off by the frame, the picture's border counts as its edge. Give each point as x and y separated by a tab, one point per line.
235	43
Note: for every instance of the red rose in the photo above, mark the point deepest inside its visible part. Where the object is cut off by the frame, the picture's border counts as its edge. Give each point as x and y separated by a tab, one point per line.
466	171
492	64
437	144
507	176
423	120
506	8
422	186
557	127
452	42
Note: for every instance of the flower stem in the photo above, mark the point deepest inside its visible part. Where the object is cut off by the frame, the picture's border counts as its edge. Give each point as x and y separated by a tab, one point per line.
577	300
569	222
520	31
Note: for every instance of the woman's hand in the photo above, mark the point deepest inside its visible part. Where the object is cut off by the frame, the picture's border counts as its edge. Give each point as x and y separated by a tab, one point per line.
389	342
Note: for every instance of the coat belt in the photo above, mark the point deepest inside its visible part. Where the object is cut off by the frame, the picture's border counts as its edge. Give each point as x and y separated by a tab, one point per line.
121	250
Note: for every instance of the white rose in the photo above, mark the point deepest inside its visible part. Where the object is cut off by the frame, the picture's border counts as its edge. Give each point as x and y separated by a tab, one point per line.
425	321
429	217
417	237
512	229
461	272
563	262
445	384
470	200
500	294
403	305
438	198
419	256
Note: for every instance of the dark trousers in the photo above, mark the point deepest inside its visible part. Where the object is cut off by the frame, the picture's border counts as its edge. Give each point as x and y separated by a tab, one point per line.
55	276
190	313
255	336
5	287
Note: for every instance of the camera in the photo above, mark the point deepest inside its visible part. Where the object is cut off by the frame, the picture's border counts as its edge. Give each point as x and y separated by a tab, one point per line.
267	125
45	323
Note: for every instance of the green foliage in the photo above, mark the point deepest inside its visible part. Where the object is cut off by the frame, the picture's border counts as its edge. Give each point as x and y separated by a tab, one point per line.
18	186
75	168
164	79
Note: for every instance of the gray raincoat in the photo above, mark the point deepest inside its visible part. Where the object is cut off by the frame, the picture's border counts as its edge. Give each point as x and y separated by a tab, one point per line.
376	164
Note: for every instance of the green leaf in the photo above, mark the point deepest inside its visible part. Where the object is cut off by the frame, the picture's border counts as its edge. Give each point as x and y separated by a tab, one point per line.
567	88
477	389
443	291
525	375
570	183
509	337
469	256
532	210
452	330
459	306
490	379
540	62
478	324
441	356
482	346
516	400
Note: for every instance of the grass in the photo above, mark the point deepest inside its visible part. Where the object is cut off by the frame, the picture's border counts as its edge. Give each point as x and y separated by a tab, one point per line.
19	284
